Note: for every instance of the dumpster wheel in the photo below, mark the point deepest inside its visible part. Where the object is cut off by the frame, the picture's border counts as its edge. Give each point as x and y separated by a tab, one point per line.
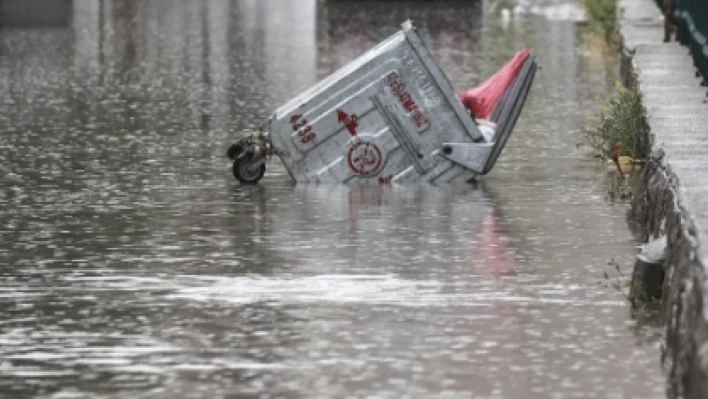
244	172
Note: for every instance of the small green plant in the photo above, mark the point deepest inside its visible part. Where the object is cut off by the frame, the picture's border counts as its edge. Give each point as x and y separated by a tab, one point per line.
602	19
620	129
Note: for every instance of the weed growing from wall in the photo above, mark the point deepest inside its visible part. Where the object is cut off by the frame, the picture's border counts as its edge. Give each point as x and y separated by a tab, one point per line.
620	130
601	23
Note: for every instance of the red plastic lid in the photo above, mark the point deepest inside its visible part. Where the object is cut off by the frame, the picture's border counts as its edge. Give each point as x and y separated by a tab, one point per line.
482	99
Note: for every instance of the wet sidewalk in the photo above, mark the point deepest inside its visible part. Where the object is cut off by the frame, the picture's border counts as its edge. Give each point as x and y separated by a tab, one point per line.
675	184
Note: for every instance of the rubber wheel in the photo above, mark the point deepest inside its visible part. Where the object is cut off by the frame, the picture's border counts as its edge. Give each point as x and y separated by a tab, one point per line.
243	172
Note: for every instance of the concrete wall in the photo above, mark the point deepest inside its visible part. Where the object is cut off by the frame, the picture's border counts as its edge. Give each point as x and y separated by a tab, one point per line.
35	12
657	210
672	198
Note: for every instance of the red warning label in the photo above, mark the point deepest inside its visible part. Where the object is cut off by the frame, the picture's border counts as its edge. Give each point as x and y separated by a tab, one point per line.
365	158
349	121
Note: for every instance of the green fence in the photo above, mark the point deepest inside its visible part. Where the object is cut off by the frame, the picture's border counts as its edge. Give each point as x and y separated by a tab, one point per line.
691	20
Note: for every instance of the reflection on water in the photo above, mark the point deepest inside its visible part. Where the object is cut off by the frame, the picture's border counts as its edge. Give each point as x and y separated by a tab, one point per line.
134	266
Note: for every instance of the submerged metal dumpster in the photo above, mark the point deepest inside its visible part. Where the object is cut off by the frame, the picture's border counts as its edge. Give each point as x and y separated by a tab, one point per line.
390	115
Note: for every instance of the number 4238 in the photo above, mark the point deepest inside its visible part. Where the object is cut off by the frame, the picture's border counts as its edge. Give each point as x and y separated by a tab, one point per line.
303	129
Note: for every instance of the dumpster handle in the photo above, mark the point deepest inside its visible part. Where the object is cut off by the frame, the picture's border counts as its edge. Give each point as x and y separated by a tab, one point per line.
397	129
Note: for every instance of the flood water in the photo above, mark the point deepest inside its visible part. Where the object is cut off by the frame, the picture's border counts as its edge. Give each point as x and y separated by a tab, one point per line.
133	264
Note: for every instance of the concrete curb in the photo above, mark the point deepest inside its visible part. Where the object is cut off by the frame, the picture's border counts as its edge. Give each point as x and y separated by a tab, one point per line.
672	198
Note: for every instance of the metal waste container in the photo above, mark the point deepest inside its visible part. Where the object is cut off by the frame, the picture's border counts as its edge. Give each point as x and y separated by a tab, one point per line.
389	116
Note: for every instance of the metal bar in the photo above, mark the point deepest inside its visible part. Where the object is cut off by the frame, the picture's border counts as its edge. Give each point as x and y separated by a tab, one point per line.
400	133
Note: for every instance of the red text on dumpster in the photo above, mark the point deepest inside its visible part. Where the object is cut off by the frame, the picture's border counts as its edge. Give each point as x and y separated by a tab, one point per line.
386	180
404	97
303	129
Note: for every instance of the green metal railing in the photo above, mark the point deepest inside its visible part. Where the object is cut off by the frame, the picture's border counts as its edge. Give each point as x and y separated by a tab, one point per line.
691	20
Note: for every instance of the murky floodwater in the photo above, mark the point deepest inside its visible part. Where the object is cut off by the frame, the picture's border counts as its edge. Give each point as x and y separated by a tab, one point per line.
133	265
